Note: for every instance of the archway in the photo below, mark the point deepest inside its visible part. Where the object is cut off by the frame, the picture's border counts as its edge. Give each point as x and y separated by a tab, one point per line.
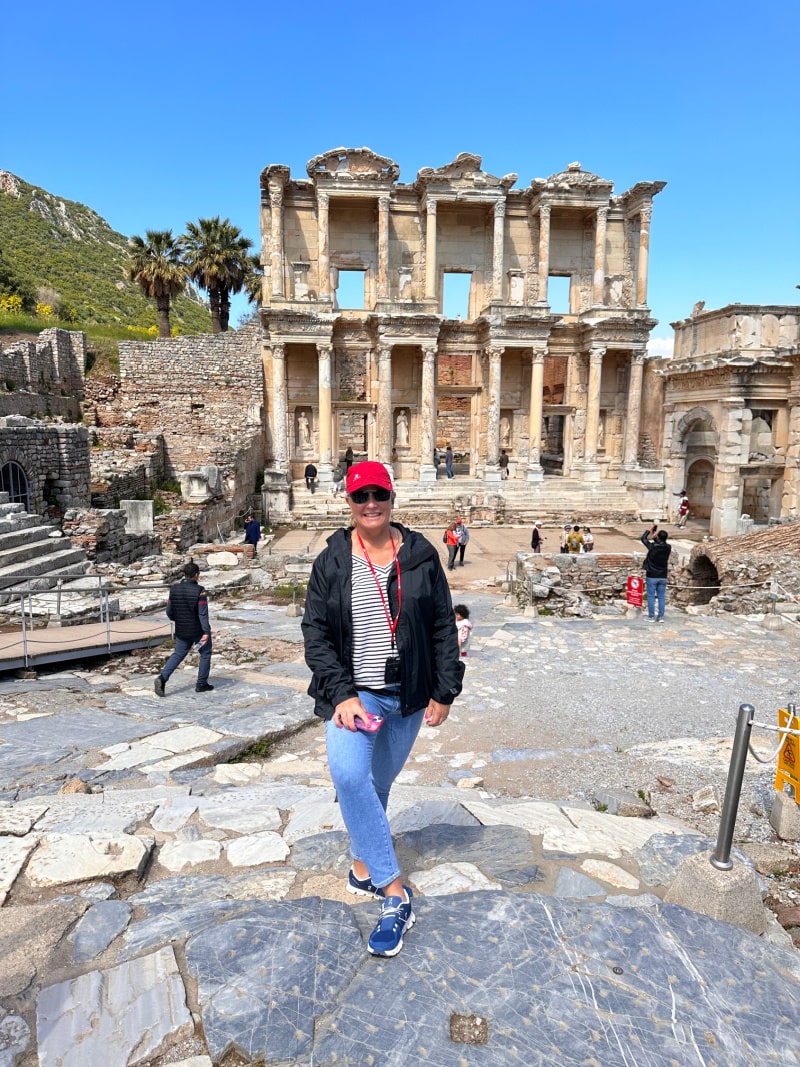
700	487
14	481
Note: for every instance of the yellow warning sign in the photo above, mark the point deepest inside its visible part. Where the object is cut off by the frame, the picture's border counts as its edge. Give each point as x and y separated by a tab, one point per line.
788	772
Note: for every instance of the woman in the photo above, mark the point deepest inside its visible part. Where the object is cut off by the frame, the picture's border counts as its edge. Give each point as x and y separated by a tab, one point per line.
451	540
588	540
462	533
380	637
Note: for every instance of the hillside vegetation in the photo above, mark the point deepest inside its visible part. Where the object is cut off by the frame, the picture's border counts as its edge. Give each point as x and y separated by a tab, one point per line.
51	244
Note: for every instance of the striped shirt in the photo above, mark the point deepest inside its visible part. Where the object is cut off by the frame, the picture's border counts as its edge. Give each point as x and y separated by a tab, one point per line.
372	639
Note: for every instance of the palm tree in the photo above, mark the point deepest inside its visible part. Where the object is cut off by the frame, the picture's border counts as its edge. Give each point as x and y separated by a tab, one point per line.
252	283
158	270
216	257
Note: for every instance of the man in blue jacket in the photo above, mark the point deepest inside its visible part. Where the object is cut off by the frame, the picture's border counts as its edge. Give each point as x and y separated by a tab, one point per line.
188	608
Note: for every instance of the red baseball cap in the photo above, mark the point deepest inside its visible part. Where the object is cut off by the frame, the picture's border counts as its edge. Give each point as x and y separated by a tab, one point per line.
366	475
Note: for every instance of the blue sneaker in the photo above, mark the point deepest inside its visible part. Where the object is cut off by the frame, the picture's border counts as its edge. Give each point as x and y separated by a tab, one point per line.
396	917
365	887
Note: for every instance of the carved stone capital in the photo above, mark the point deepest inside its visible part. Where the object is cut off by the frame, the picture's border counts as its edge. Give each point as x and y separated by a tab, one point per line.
596	353
384	202
323	200
499	209
324	351
275	196
278	350
646	214
538	352
384	353
544	212
430	204
495	352
429	353
602	215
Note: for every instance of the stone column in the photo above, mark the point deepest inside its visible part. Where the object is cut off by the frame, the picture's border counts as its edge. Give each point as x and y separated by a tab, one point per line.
276	243
427	415
498	250
324	465
323	258
644	249
596	353
535	472
384	413
430	249
280	452
630	454
599	280
383	248
790	502
544	252
727	491
493	415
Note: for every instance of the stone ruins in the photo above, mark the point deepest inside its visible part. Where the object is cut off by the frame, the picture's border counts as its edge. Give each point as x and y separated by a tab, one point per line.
397	318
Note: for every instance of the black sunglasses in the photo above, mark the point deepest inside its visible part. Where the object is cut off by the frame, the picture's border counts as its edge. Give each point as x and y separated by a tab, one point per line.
361	496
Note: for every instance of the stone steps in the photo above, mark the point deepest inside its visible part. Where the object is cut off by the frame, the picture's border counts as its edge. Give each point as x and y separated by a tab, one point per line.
552	500
18	546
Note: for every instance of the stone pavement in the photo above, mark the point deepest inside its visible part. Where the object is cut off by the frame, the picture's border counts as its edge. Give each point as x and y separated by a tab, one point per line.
192	910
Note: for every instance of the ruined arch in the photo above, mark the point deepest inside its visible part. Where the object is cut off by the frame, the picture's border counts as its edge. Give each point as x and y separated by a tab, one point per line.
690	422
705	581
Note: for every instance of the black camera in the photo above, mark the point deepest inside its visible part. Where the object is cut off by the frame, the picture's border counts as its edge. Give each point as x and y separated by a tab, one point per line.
391	674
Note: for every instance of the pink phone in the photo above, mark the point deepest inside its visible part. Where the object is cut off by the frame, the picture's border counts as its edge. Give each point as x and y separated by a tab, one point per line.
371	724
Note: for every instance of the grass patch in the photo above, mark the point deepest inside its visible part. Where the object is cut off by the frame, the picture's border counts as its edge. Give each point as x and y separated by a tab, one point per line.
258	750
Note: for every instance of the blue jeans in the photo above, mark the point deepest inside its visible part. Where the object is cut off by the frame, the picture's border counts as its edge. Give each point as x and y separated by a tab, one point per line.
182	649
363	768
448	466
656	587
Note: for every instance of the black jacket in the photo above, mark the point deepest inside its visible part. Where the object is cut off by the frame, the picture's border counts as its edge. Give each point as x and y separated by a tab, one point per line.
427	640
657	559
188	608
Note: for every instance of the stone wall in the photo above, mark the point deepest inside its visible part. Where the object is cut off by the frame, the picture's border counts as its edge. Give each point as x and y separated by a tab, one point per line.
43	377
130	471
55	458
101	534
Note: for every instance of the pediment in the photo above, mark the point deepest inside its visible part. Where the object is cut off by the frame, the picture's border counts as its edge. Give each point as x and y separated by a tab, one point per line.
353	164
464	172
574	178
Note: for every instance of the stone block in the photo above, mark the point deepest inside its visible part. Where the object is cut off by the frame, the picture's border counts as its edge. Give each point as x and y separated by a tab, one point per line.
138	515
729	896
784	818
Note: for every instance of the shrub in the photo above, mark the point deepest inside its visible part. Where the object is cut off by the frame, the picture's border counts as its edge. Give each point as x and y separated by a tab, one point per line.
11	305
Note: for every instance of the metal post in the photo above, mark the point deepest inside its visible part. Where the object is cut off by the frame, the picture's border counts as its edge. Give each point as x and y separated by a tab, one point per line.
59	584
721	858
24	631
30	603
108	619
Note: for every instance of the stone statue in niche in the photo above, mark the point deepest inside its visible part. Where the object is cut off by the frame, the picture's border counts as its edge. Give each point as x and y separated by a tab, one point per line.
601	434
401	429
303	431
505	430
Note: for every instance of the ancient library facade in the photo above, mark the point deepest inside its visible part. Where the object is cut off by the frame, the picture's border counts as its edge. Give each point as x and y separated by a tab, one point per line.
456	309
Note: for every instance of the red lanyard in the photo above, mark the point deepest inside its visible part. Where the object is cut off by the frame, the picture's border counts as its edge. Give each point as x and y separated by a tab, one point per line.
392	622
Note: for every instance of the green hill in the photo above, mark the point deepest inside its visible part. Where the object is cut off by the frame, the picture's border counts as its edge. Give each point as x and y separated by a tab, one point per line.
61	245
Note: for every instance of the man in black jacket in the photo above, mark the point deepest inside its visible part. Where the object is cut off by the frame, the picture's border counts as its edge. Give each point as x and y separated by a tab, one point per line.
188	608
655	566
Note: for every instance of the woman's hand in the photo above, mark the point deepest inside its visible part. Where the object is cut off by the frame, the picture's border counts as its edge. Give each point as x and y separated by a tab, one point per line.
436	713
344	714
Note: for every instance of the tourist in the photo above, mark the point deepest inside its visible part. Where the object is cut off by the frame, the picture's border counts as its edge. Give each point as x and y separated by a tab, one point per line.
187	607
503	462
349	458
462	533
381	641
448	460
536	538
655	566
310	475
683	509
463	627
450	538
338	478
574	541
565	532
588	540
252	532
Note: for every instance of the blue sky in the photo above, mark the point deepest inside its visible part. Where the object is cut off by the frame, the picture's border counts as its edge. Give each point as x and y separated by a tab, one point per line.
155	114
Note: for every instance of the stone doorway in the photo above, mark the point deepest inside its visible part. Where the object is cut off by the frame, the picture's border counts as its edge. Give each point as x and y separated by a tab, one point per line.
454	427
14	481
552	443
